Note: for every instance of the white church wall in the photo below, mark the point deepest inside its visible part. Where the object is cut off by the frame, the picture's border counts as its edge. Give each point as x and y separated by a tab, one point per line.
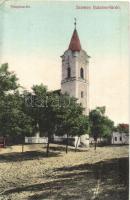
69	88
68	61
83	89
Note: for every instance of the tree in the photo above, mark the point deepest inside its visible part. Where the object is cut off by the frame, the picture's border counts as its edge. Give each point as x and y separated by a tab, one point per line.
95	121
107	126
43	107
13	120
81	127
52	111
100	125
8	80
68	119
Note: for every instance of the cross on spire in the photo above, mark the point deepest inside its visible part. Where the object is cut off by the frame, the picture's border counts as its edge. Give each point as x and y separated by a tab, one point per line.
75	22
75	42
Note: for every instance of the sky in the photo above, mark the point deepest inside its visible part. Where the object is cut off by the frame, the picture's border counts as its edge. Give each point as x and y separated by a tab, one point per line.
33	38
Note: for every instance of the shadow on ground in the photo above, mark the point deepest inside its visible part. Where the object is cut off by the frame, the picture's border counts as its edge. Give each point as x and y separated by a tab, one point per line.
106	180
28	155
70	148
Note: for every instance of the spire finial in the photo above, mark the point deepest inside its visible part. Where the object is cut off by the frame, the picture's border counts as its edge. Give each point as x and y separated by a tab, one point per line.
75	22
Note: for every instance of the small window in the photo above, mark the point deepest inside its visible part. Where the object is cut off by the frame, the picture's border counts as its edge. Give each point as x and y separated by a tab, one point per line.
68	72
81	73
120	138
82	94
115	138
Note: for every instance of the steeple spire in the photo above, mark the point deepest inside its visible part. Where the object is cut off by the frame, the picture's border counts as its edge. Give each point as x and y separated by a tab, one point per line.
75	42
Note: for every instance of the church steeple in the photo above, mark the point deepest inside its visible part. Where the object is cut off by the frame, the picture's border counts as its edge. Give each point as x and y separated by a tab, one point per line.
75	75
75	42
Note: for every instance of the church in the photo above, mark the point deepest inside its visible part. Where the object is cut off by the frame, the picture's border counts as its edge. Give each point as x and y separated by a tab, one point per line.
75	71
75	78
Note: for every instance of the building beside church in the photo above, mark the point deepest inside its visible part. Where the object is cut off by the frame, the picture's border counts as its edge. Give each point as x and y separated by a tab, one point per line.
120	138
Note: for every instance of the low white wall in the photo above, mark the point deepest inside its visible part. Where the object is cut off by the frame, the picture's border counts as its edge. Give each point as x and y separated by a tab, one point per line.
84	140
76	141
36	140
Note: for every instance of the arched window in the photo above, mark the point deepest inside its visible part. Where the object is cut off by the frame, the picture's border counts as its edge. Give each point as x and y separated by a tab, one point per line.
68	72
81	73
82	94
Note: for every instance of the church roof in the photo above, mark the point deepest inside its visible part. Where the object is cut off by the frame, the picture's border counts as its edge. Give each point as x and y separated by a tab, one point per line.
75	42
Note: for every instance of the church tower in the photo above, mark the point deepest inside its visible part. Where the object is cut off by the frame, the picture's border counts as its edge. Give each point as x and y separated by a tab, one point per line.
75	71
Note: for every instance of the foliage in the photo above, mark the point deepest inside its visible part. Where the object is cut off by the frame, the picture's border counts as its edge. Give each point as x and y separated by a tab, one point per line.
101	125
8	80
69	114
106	127
81	125
13	121
55	113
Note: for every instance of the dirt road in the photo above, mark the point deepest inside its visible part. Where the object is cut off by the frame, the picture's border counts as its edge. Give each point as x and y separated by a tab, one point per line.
84	175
